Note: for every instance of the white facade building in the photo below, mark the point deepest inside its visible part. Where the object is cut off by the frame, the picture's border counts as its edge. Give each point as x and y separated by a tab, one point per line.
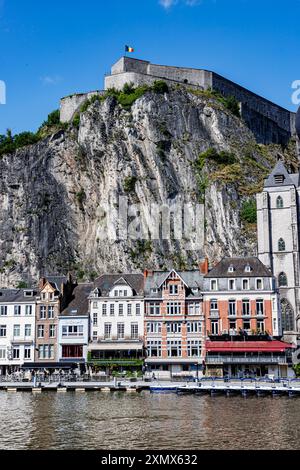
17	328
73	327
278	240
117	318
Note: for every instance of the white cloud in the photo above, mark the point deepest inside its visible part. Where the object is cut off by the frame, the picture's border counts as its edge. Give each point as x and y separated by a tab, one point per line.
51	79
170	3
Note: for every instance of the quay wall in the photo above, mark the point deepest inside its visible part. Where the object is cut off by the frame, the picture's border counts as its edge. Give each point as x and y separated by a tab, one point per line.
70	104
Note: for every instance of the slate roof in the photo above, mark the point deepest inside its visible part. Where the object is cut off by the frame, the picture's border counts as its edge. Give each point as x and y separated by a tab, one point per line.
57	281
192	279
106	282
79	304
279	169
258	269
16	295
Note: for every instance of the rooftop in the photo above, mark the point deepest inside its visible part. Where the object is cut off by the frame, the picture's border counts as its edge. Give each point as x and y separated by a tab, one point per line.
239	267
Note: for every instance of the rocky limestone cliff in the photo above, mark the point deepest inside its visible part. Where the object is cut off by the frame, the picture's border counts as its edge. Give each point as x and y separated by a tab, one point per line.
52	193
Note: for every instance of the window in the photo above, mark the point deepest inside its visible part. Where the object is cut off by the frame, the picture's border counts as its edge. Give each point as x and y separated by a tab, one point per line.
69	351
173	289
213	284
16	352
193	308
3	331
282	280
213	304
112	310
154	290
194	327
17	310
279	179
231	308
40	331
260	325
104	310
44	296
120	330
27	330
95	304
154	308
279	202
27	352
95	336
174	348
51	311
107	330
246	324
173	308
154	327
214	327
95	318
51	295
231	269
28	310
2	353
245	284
248	268
46	351
281	244
129	310
72	330
245	307
52	331
231	284
259	307
194	348
232	326
16	330
138	309
42	312
174	327
134	331
154	348
259	284
121	310
3	310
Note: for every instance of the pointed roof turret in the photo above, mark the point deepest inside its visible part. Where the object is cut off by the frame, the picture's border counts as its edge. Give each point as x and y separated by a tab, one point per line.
279	176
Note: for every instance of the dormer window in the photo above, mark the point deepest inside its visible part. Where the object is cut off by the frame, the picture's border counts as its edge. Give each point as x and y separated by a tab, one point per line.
195	290
28	293
231	269
248	268
279	179
154	290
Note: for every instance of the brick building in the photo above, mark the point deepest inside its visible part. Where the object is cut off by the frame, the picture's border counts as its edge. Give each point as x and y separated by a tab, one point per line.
174	322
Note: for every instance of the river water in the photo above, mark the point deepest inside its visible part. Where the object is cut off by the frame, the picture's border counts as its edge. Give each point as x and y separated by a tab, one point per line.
96	420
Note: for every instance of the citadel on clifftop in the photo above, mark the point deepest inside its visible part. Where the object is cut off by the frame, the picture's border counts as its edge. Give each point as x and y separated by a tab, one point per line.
269	122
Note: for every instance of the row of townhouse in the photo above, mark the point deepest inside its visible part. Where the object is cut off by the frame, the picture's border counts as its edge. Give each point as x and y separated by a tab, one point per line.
222	321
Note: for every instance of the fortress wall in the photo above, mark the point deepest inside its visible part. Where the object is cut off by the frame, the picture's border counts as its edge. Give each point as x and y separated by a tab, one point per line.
70	104
118	80
196	77
269	122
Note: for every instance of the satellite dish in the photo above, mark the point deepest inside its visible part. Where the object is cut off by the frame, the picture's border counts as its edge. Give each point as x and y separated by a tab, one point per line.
298	123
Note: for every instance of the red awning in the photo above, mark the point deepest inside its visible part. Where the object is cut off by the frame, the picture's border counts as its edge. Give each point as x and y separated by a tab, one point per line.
247	346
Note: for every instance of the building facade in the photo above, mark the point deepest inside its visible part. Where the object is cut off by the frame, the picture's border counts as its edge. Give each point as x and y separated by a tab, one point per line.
54	294
73	328
174	323
116	306
278	240
243	316
17	328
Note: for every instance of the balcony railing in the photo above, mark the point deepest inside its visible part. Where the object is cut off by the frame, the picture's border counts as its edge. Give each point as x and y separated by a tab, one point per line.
245	360
21	340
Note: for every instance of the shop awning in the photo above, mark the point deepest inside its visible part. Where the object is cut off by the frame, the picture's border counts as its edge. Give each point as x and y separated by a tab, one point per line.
49	365
248	346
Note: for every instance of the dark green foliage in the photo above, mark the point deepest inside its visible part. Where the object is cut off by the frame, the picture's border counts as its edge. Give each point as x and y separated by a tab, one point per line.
53	119
80	196
230	102
129	184
248	212
22	285
76	120
211	154
10	143
159	86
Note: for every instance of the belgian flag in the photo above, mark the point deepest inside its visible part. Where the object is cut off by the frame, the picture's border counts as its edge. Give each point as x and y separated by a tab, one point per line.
129	49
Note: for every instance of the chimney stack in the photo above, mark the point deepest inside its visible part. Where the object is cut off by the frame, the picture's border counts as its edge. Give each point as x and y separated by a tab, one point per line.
203	266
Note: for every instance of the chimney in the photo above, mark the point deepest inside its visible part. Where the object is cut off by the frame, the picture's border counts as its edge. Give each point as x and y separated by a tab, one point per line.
147	273
42	282
203	266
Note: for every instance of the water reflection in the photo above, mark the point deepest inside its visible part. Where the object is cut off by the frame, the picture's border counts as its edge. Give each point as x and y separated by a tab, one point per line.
97	420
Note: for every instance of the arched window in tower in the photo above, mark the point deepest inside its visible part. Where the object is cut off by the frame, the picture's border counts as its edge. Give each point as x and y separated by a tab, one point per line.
279	202
282	280
287	315
281	244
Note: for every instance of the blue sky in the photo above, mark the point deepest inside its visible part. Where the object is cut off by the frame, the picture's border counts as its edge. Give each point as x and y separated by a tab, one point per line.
50	49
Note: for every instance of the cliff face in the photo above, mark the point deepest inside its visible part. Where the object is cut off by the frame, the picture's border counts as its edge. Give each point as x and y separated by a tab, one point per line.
56	196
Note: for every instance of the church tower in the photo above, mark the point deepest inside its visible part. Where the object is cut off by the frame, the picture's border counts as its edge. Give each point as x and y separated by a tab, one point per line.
278	215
